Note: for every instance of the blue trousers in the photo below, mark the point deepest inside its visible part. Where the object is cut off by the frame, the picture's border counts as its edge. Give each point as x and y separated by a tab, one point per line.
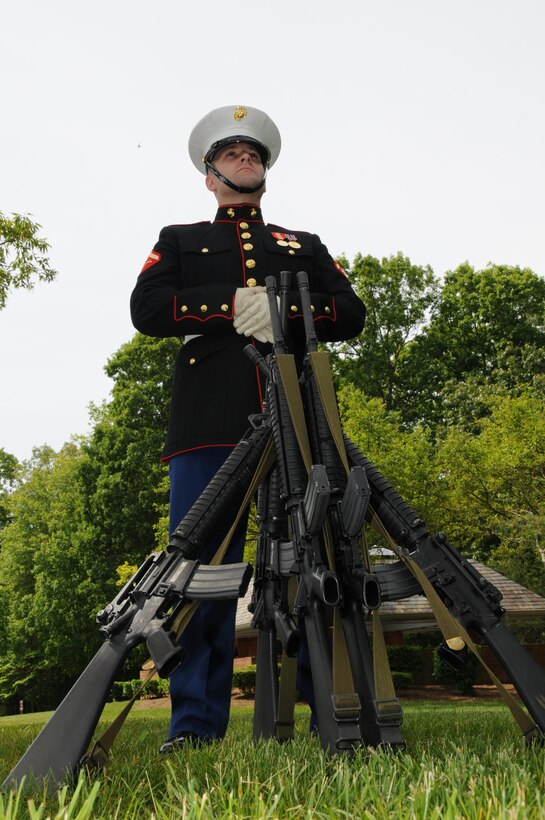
200	689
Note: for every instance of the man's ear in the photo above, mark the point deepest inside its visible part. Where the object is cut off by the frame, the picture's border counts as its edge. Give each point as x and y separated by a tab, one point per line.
210	182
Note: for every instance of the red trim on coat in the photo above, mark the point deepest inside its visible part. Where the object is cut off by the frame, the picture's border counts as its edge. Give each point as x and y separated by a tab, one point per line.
230	221
191	449
331	316
241	254
200	318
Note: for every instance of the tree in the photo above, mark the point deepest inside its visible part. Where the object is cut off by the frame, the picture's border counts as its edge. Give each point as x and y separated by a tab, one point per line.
126	487
487	328
76	517
398	296
8	474
406	458
494	487
22	255
48	600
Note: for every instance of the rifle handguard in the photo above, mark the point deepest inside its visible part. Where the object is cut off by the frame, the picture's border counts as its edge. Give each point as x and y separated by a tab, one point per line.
218	502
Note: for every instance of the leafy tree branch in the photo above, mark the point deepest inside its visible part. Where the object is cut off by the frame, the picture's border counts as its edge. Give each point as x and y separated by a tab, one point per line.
23	255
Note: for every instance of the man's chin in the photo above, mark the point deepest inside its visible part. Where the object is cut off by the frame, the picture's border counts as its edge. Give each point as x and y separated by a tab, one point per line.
249	179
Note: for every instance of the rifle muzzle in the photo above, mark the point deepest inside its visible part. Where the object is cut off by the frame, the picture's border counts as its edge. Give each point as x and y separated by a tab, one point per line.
370	590
325	585
287	633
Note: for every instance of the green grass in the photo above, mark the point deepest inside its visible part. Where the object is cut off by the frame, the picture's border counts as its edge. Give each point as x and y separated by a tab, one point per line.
463	760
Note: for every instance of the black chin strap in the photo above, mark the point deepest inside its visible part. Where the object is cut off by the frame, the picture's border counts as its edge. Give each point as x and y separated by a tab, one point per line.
240	188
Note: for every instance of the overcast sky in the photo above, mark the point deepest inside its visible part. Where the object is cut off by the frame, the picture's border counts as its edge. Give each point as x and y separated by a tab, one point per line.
407	125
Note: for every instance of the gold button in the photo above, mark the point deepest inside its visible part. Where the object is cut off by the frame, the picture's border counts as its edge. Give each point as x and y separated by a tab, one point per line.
250	263
230	212
245	235
253	212
282	242
204	308
294	244
248	246
192	360
312	308
294	308
244	225
184	309
251	283
327	310
225	308
204	250
292	252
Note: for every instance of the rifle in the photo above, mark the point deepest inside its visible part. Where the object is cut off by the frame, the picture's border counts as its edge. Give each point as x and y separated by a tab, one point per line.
325	512
271	608
312	530
159	594
469	598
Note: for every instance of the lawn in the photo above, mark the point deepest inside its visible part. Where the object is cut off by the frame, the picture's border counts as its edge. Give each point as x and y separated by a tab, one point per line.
462	760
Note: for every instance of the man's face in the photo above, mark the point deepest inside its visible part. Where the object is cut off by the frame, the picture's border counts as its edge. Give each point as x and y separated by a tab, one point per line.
240	163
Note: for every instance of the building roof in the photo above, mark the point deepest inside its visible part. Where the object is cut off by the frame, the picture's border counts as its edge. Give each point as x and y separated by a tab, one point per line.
415	612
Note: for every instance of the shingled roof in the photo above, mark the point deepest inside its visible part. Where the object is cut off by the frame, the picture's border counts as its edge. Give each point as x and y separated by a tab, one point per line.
415	612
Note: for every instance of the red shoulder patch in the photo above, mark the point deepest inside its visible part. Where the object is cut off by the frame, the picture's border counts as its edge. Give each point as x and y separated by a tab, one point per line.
152	259
341	270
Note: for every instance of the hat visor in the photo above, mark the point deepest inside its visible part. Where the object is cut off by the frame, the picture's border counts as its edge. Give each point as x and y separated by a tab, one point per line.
264	152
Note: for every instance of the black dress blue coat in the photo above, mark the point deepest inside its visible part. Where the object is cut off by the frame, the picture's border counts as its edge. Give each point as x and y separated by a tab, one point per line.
187	288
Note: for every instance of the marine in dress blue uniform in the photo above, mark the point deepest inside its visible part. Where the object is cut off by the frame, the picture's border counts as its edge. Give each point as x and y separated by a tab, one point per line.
204	283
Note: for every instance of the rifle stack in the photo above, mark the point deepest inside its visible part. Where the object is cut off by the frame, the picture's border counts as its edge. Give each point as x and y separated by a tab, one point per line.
315	592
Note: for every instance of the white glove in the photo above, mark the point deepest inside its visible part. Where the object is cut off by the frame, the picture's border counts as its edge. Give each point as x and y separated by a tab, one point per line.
245	297
264	335
252	314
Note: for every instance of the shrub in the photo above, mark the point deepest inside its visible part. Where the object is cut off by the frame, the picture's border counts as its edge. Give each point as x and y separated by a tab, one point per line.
125	689
244	679
402	680
117	690
156	688
405	658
